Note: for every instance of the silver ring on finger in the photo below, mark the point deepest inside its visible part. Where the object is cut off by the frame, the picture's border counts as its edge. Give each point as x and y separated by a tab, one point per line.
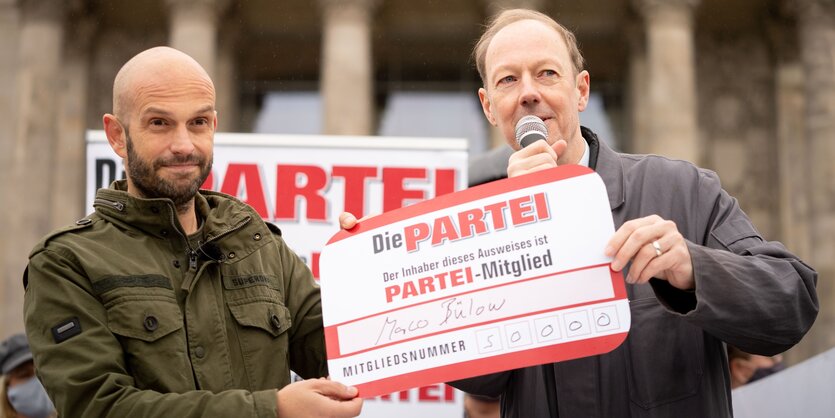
657	247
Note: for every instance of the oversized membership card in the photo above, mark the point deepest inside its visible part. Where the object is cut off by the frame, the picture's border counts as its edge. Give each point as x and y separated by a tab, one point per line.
497	277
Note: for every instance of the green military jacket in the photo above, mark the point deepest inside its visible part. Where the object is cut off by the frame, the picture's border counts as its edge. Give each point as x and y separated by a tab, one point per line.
127	316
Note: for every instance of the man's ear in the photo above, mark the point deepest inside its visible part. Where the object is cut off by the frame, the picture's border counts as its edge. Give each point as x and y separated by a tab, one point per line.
115	133
486	106
583	84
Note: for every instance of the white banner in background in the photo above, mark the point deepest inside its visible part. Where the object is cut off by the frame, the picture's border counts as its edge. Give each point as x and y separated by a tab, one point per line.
303	182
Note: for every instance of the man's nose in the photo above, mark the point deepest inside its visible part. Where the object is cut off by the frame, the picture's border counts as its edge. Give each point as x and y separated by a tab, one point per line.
529	94
182	143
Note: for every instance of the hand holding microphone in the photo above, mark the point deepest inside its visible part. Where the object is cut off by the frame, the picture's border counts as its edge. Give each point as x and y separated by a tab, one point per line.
533	154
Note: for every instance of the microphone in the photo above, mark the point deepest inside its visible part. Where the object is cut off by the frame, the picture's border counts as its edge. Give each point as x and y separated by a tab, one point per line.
530	129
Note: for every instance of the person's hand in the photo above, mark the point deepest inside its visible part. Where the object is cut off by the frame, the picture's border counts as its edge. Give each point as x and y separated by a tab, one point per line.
535	157
347	220
318	398
656	249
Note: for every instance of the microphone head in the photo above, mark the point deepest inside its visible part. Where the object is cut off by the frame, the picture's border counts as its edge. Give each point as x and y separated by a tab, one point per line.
530	129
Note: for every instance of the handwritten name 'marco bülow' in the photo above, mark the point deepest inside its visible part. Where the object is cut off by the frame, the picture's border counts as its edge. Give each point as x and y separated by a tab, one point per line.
465	224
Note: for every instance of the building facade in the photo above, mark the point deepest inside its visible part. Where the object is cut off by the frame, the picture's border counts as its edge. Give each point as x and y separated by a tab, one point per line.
744	87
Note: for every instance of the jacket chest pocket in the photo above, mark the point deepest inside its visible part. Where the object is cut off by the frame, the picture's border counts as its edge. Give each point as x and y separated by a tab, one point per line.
262	322
150	329
664	356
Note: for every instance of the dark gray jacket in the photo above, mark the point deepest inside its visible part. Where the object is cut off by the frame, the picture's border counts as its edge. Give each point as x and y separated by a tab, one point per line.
751	293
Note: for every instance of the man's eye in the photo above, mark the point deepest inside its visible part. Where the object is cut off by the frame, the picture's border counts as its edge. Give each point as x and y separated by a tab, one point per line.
549	73
507	79
157	122
201	121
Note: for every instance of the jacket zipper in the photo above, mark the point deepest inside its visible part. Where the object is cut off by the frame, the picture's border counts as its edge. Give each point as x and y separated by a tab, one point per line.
192	254
115	205
192	265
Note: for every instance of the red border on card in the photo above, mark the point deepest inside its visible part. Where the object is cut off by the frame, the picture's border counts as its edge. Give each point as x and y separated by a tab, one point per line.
518	359
468	195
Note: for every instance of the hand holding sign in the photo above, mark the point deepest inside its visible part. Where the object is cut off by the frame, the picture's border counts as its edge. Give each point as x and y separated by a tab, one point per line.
501	276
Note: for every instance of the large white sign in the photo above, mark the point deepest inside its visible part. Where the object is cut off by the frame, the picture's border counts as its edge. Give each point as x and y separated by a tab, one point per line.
495	277
303	182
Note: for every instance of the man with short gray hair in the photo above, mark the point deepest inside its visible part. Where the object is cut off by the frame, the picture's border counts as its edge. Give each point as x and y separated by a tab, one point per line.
698	274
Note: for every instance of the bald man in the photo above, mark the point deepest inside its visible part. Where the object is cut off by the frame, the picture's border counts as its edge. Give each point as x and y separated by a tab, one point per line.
169	300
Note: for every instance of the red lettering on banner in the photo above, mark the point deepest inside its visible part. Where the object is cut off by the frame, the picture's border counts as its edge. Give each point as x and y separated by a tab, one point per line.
444	181
430	393
402	395
394	193
209	184
309	183
355	178
449	393
288	190
314	264
253	189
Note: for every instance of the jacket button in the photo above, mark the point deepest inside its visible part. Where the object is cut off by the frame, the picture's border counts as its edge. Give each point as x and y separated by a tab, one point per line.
164	232
231	255
199	351
83	221
176	263
151	323
276	323
257	236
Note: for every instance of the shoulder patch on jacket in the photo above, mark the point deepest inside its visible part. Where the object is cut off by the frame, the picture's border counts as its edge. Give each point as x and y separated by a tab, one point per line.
80	224
275	229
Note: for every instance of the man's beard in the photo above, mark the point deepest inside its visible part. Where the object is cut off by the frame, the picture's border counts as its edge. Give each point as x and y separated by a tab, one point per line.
143	175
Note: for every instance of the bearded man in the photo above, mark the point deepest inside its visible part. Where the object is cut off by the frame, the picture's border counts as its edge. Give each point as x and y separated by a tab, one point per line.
169	300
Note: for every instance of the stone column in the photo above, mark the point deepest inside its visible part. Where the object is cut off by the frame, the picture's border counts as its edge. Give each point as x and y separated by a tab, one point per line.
347	70
9	34
33	150
639	115
672	128
792	153
193	29
70	161
816	23
226	81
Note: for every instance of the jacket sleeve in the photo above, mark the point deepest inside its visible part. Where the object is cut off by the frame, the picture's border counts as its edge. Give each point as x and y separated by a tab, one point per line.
749	292
307	338
86	375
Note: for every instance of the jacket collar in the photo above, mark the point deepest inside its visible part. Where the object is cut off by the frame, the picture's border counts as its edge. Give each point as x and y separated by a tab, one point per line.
607	163
158	216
